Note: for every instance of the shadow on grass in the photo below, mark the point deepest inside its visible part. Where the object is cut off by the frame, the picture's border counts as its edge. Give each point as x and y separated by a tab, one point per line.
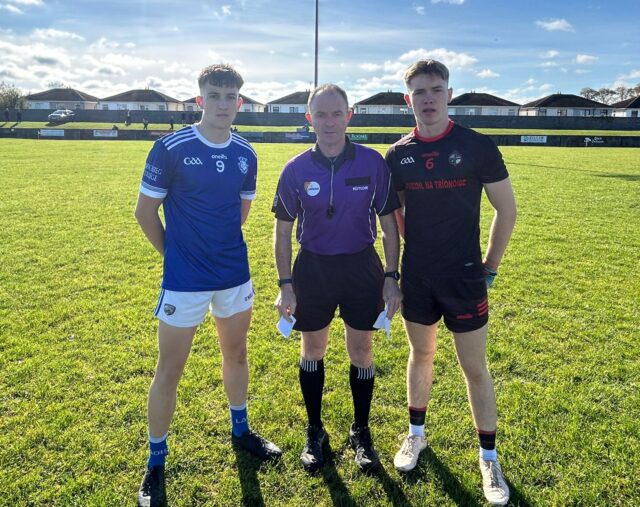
625	177
450	483
452	486
248	467
337	489
394	491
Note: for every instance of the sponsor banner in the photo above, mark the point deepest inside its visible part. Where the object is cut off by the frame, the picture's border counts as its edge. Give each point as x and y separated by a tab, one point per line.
359	137
297	136
593	140
51	132
533	139
251	136
105	133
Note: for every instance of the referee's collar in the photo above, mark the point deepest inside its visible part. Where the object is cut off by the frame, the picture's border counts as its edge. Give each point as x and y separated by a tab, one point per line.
348	153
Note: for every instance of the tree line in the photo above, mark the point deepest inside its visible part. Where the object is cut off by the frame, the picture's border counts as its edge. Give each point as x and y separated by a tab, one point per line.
611	95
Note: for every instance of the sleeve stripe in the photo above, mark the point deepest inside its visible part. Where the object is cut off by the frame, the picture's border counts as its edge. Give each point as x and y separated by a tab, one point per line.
285	207
248	196
157	193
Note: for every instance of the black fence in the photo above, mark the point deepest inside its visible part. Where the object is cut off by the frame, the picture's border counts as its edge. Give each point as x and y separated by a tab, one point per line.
358	120
309	137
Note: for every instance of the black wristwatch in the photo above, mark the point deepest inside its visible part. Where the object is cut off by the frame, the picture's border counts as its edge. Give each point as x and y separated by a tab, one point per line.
283	281
392	274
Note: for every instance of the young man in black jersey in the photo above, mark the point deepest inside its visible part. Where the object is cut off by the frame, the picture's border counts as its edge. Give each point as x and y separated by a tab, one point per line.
439	171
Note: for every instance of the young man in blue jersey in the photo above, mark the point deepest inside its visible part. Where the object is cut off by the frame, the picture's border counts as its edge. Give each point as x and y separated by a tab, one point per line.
440	171
335	190
205	178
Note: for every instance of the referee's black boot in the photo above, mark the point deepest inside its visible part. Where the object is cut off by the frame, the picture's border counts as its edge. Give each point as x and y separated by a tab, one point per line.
152	491
366	456
312	456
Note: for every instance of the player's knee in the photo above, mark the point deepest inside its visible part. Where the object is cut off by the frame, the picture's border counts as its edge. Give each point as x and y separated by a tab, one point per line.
423	353
168	374
476	373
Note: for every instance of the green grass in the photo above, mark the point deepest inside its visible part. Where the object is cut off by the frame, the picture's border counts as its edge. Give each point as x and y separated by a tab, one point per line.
293	128
78	285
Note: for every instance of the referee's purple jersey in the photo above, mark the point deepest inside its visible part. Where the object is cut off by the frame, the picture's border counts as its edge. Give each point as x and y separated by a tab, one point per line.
361	188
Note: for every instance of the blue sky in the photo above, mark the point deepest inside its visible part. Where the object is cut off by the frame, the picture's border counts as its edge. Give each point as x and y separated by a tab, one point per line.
519	50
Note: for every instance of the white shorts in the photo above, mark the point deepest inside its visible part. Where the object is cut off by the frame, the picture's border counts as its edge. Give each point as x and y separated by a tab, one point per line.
188	309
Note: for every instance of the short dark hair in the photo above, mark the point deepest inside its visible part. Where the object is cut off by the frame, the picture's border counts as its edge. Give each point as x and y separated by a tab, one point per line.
220	74
328	87
426	67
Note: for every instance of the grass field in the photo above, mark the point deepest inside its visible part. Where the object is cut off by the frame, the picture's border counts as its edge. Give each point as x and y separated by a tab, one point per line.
78	284
292	128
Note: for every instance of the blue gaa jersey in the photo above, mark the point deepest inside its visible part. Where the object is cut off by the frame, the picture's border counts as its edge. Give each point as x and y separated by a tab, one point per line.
202	185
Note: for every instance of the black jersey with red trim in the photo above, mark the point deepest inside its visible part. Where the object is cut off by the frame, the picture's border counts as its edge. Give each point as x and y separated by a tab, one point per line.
442	179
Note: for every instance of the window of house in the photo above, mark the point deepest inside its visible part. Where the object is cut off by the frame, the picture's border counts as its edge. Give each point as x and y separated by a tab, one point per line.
121	107
162	107
470	111
634	114
511	112
362	110
144	107
293	109
451	111
276	109
562	112
542	112
105	107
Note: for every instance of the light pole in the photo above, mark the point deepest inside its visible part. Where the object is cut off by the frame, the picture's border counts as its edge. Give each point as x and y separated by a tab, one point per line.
315	80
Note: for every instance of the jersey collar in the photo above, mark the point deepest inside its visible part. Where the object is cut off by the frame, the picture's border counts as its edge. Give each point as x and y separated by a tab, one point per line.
435	138
349	153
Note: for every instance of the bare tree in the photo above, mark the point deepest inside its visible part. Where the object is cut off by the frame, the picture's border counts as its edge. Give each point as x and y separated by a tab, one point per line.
622	93
11	97
56	84
636	90
588	93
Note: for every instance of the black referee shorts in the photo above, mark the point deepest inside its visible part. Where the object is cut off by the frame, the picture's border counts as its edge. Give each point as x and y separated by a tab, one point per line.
461	301
352	282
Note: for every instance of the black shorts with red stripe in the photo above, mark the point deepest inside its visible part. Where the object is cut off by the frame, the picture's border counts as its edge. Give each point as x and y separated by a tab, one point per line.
461	301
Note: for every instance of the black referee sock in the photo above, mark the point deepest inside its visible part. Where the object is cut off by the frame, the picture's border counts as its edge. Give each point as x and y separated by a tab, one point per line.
361	380
311	376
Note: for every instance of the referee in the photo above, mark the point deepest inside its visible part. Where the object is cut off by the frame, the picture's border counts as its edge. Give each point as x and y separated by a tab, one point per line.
334	191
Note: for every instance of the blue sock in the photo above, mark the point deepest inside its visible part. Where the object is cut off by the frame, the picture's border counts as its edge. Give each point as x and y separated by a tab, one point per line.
158	451
239	420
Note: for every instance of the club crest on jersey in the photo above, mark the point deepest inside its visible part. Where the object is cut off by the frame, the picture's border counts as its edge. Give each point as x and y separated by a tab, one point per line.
243	165
311	188
169	309
455	159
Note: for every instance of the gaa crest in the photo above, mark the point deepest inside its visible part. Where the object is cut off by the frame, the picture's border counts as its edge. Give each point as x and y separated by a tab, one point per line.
455	159
243	165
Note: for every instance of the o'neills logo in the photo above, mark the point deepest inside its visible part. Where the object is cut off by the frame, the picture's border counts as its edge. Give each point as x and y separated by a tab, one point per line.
311	188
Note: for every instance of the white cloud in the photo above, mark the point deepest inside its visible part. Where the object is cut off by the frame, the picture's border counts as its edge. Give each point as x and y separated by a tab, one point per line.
545	87
419	9
370	67
634	74
552	53
555	25
11	8
331	49
583	71
225	11
485	73
125	60
27	2
451	59
586	59
548	64
452	2
51	33
530	81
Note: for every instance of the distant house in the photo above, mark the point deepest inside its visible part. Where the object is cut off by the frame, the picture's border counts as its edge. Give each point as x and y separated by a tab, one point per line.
482	104
383	103
293	103
140	100
627	108
61	98
248	105
560	104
